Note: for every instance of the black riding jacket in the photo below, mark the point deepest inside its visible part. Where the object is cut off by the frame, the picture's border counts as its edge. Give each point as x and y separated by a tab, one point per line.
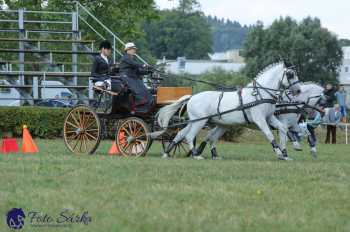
100	67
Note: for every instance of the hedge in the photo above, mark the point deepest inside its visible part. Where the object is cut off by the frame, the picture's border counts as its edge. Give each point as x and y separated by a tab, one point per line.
43	122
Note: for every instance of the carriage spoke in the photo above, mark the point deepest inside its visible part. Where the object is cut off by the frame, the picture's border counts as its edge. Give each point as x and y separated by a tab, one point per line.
142	145
79	117
82	118
183	147
90	135
84	137
87	119
73	125
76	143
174	153
70	132
74	118
131	129
72	137
89	125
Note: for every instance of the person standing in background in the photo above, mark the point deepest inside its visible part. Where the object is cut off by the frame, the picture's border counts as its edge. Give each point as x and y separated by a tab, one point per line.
332	118
341	100
329	92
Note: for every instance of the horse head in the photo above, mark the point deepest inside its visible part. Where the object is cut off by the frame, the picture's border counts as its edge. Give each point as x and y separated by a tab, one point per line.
290	80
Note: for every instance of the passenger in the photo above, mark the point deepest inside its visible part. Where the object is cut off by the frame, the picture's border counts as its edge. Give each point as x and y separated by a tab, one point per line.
132	73
101	66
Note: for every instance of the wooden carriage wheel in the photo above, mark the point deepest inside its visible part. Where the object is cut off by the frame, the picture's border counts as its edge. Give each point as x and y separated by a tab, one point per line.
132	137
82	130
181	149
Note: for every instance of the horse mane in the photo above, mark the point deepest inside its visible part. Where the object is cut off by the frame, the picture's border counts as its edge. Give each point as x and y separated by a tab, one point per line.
268	67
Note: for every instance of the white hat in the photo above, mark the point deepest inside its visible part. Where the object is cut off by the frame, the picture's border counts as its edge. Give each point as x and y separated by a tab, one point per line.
129	46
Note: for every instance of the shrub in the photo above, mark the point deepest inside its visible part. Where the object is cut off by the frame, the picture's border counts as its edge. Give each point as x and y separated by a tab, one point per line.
42	122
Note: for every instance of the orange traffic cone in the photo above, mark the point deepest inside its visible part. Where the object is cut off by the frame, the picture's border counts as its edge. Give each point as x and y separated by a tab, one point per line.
28	145
114	149
9	145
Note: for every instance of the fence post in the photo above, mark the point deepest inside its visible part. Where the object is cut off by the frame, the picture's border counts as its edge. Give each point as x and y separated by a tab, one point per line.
35	88
22	35
91	91
75	46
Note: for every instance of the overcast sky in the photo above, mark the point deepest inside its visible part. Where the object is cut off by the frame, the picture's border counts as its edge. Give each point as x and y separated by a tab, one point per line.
334	14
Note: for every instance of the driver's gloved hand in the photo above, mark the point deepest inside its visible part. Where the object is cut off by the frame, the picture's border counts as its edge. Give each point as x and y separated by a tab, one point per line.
107	84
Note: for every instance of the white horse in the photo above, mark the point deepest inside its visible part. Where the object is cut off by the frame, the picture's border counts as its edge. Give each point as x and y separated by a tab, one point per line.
254	103
311	96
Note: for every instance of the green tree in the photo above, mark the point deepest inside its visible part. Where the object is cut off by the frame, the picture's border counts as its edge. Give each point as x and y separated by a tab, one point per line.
187	6
315	52
227	34
179	33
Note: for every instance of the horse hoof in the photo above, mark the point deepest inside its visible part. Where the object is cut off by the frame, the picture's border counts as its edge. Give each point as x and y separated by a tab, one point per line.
198	157
284	158
297	147
314	153
165	156
278	152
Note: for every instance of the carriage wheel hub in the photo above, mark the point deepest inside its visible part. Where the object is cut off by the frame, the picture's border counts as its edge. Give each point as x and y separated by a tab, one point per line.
131	139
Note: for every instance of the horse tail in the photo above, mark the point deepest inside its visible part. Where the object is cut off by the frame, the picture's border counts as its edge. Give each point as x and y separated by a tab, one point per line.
167	112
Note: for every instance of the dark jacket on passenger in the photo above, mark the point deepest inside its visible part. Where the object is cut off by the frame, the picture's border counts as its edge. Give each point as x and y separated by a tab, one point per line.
100	68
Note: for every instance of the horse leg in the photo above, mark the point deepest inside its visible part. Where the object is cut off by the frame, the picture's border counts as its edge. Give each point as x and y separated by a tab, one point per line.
282	133
264	127
292	137
219	131
178	138
191	134
206	140
311	138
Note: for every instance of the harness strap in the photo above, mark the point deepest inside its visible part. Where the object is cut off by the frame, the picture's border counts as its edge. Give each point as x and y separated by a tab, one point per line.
239	92
289	111
218	108
241	107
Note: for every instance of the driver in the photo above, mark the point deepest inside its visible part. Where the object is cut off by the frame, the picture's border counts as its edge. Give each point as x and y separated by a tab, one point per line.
132	73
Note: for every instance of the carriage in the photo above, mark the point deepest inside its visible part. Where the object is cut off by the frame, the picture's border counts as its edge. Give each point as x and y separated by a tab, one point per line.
113	112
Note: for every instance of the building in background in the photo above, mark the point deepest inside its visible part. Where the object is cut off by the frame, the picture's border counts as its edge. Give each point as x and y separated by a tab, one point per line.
197	67
232	56
344	73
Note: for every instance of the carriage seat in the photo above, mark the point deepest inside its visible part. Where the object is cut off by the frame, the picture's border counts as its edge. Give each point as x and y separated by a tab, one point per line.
168	95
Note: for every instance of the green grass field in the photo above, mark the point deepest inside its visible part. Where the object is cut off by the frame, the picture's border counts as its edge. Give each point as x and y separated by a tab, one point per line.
247	191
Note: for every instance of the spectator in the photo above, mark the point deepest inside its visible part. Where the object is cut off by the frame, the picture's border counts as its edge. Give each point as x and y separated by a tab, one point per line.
330	94
332	118
314	121
341	100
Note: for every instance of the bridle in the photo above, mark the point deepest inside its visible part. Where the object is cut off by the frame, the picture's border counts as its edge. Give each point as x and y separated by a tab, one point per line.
306	104
276	93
